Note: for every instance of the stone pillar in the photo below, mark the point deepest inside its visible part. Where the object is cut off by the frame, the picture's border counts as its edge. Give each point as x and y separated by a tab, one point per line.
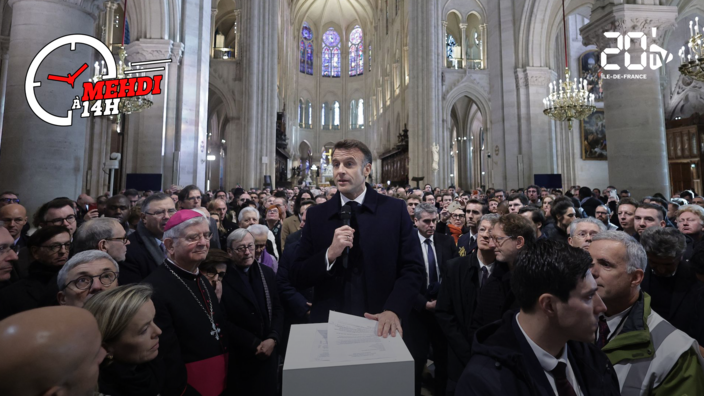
109	20
482	29
443	53
146	131
259	57
538	145
213	14
425	123
463	26
5	56
41	161
633	108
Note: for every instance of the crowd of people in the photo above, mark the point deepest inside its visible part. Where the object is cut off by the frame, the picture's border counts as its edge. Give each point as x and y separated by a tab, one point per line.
532	291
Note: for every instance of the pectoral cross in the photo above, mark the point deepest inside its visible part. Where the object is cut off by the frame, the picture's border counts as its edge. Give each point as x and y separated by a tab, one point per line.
215	332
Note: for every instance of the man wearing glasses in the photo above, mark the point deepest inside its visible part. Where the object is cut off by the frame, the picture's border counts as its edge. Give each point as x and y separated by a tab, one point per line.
8	197
85	275
104	234
59	212
146	251
583	230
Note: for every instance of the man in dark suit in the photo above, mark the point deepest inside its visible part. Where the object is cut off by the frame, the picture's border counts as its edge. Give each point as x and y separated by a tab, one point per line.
146	250
675	293
423	330
473	212
459	295
548	347
383	272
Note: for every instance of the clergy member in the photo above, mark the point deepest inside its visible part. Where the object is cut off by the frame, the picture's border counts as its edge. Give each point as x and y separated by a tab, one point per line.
187	311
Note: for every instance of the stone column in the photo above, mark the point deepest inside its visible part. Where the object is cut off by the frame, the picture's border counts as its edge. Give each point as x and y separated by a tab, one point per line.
109	20
213	14
633	108
538	145
146	131
482	29
41	161
463	26
259	57
425	122
4	54
443	53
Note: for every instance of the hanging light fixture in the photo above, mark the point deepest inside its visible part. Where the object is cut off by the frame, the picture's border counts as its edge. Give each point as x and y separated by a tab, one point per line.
693	66
568	100
128	105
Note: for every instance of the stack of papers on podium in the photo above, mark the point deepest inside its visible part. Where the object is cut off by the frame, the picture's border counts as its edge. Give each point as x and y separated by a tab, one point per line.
353	338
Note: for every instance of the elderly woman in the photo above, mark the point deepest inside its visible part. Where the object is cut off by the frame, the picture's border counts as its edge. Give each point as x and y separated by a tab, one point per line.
250	216
125	318
260	234
85	275
49	247
251	303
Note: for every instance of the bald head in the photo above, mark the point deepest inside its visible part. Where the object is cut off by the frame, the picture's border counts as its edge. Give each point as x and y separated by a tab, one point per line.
50	351
15	217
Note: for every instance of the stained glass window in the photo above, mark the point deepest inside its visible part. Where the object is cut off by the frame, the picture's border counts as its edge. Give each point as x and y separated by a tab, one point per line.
356	45
331	54
300	113
360	113
309	121
451	43
302	49
353	115
322	114
309	59
336	115
306	50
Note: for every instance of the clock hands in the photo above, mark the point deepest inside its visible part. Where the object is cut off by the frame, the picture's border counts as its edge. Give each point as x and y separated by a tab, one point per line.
71	79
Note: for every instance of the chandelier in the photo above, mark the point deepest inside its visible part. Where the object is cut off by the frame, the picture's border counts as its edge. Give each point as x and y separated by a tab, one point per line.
568	100
693	66
132	104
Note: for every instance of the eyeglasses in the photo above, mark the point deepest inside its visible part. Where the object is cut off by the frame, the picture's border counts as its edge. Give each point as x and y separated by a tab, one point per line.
123	239
584	234
161	213
243	249
84	282
198	198
57	246
457	216
500	241
10	200
70	219
197	237
213	274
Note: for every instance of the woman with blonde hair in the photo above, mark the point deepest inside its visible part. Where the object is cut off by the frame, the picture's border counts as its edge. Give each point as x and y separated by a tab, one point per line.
125	317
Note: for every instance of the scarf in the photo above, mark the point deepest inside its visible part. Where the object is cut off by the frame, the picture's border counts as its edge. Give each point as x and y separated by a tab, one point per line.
269	261
455	231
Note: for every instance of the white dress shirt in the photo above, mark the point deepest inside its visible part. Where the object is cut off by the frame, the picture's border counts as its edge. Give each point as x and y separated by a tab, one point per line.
359	200
489	267
549	362
424	247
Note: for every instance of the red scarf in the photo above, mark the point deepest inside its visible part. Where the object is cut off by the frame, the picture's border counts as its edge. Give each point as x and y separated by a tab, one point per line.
455	231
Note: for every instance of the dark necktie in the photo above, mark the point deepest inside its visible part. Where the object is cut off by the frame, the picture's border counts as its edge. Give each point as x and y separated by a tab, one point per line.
485	276
603	332
564	388
432	271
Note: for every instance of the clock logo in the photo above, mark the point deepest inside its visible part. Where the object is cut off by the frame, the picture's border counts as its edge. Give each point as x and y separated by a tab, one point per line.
102	93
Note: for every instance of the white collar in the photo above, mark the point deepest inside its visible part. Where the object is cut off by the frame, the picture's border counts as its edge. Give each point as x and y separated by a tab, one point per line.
423	238
616	321
359	199
489	266
547	361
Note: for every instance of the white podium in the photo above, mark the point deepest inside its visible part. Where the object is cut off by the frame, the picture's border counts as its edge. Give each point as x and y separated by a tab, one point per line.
309	372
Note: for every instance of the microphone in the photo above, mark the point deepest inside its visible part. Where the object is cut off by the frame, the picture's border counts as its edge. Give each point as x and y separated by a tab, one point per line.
345	215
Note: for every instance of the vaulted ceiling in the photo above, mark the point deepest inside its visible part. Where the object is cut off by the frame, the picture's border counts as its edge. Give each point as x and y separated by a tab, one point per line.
338	12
